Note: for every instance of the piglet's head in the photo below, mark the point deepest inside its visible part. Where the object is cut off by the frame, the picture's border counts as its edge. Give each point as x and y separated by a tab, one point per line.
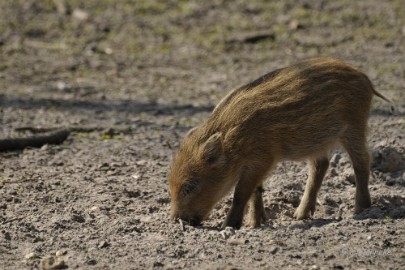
195	176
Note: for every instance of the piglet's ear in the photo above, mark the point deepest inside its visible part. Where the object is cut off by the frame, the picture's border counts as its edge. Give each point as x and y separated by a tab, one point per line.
212	149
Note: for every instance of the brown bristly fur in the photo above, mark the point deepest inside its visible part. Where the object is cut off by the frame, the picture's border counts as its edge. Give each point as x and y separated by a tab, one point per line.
294	113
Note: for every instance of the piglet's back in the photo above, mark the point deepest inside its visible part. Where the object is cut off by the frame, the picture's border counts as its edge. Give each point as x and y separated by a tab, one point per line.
295	111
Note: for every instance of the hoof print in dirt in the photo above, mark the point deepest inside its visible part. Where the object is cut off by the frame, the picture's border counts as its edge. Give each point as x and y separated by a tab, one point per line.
388	159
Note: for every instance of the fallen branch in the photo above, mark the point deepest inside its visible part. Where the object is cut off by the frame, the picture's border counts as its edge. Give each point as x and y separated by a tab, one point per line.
56	137
252	39
85	129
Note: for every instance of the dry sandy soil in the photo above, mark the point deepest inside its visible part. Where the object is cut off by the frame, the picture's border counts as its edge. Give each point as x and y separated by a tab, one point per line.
132	77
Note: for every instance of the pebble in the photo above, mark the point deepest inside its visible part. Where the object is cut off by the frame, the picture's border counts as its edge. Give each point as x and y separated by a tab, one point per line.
80	15
182	226
103	244
141	162
274	250
295	25
237	241
30	256
60	253
104	166
145	219
224	235
227	232
94	208
52	262
273	242
61	85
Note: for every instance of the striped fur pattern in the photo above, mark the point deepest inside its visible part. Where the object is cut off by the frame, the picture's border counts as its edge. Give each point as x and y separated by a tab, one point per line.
294	113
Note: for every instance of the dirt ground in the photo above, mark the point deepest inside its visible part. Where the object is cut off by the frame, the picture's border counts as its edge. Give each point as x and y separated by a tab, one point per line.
144	72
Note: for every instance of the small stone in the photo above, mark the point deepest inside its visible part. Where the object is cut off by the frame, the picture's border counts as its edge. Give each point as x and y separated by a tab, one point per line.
60	253
237	241
227	232
90	261
103	244
30	256
80	15
295	25
61	85
45	147
145	219
94	209
52	262
314	267
274	250
141	162
369	238
224	235
104	167
182	227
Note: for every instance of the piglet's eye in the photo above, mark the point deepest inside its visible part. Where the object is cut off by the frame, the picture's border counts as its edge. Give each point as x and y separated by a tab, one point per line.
189	187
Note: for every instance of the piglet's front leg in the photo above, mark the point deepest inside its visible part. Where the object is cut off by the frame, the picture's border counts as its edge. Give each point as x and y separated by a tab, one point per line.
257	214
246	186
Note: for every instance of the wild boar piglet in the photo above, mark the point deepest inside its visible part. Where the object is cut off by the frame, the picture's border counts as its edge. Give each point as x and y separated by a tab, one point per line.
298	112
